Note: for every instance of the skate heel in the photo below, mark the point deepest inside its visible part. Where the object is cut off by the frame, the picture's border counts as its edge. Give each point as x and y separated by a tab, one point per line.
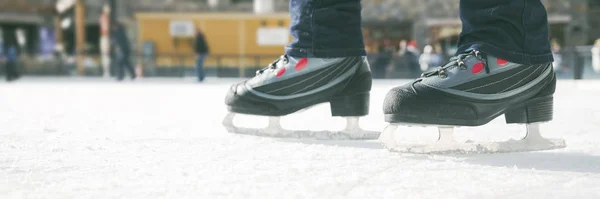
535	110
350	105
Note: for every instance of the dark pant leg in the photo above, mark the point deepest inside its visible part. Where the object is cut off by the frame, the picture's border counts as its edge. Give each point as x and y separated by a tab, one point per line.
120	68
515	30
200	67
129	67
326	28
7	71
11	71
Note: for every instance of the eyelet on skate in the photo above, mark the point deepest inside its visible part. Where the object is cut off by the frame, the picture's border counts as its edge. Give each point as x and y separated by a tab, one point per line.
454	62
481	57
274	65
442	74
462	65
476	52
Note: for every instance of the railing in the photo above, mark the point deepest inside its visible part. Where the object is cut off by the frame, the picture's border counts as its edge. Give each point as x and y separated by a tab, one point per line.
214	65
163	65
576	63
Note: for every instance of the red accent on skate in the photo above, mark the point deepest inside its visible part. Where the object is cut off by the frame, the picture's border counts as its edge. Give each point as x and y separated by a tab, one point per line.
501	62
301	64
477	68
280	72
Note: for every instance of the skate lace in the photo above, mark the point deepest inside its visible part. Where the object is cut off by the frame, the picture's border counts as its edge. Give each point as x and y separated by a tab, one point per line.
281	60
456	61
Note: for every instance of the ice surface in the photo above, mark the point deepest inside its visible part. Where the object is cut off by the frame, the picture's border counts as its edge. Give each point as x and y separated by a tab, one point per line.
163	138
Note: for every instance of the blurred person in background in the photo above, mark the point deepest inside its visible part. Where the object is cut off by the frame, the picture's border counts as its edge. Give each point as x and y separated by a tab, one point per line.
202	50
401	48
426	58
556	53
11	57
2	54
123	51
437	56
410	59
383	60
596	56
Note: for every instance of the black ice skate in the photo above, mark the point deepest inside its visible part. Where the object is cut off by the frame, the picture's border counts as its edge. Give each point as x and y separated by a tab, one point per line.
471	90
291	84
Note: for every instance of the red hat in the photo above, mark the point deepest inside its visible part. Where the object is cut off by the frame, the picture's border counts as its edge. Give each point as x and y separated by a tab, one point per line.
412	43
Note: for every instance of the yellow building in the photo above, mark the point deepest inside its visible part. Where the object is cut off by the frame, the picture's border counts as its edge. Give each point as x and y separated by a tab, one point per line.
243	41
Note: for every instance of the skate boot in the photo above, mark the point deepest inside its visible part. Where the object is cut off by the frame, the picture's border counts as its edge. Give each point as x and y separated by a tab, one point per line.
471	90
291	84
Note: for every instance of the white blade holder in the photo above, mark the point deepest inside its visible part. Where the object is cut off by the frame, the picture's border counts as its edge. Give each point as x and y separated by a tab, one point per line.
445	144
352	131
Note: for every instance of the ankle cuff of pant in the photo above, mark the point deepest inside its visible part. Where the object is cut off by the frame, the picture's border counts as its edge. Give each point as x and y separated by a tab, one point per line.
305	52
516	57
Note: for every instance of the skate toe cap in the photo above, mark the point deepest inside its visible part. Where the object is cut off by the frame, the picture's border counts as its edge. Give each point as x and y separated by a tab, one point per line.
397	98
234	96
238	99
418	101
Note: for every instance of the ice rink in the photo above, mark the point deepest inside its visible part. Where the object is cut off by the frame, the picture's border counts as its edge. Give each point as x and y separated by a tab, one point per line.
163	138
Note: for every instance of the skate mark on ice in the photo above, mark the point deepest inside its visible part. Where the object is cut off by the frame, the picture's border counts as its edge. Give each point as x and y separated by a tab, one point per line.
373	175
363	144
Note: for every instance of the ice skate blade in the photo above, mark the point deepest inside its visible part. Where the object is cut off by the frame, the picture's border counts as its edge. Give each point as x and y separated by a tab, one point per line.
274	129
533	141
